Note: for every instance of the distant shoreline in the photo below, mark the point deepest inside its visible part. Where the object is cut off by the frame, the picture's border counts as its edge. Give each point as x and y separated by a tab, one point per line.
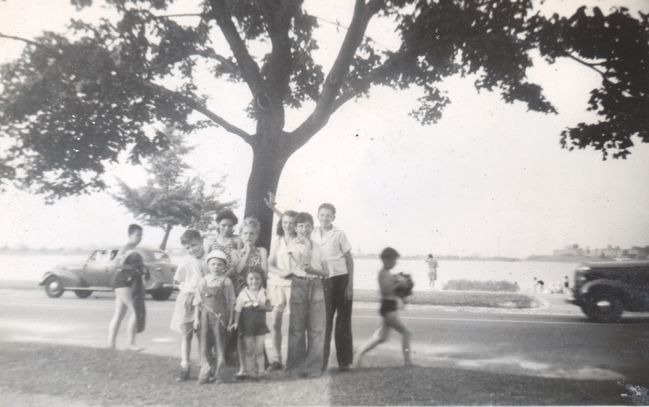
177	251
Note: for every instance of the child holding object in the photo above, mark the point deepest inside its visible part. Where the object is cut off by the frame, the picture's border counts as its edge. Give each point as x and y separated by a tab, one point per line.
391	287
127	279
214	313
250	310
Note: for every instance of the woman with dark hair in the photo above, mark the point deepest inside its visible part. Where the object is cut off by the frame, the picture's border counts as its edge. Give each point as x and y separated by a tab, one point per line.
280	267
128	286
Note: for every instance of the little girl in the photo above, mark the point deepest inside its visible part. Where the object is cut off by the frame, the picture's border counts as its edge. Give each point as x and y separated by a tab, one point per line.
389	310
214	312
249	256
127	282
250	318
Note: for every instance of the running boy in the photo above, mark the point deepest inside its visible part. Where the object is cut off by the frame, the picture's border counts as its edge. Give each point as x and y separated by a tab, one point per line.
389	310
186	279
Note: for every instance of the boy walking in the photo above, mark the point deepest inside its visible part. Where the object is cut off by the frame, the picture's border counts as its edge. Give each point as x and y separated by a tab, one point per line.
339	287
187	279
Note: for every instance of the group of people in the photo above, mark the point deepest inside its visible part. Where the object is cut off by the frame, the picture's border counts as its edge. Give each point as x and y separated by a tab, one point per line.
227	286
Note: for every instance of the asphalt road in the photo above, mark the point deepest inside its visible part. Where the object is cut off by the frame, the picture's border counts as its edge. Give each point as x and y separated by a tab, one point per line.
554	346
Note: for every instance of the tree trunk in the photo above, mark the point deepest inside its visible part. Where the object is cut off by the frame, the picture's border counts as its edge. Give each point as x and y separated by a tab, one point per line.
163	245
267	165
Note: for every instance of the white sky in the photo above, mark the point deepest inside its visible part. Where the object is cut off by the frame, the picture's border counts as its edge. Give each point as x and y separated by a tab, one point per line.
488	179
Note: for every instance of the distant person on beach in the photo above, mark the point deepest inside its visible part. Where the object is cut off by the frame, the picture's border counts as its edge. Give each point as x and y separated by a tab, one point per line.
390	304
566	283
432	270
127	280
539	285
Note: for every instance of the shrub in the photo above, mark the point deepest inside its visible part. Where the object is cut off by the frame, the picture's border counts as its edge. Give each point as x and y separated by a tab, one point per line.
480	285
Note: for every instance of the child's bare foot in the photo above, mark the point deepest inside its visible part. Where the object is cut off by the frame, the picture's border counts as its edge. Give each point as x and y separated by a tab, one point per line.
358	361
134	348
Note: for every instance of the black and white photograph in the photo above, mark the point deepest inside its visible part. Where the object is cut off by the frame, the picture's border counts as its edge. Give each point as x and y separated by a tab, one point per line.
324	202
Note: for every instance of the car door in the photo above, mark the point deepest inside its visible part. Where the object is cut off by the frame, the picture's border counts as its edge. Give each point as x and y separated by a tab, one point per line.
97	269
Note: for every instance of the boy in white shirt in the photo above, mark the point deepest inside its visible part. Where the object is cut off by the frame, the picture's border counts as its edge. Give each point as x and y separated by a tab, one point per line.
187	278
339	288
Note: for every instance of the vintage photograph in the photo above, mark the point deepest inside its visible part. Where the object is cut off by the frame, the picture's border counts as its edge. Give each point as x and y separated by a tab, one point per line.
324	202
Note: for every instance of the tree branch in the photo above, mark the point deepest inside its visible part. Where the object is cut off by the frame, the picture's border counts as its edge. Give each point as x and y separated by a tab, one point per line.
248	67
25	40
325	105
199	107
193	103
590	65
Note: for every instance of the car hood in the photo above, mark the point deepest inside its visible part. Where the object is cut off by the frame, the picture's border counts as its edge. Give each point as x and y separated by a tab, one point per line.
69	266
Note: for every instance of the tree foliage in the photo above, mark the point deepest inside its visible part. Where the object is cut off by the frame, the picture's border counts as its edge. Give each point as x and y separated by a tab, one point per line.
73	102
170	197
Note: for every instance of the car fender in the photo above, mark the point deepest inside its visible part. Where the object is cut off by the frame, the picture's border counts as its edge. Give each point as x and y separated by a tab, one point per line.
606	285
69	278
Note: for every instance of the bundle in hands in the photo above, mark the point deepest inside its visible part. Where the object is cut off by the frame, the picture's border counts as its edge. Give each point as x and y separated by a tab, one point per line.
405	284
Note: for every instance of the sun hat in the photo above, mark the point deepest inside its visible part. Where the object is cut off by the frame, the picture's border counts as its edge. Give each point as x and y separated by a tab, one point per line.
217	254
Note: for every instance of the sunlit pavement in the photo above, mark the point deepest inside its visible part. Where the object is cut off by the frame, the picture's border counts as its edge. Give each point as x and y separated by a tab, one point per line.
543	345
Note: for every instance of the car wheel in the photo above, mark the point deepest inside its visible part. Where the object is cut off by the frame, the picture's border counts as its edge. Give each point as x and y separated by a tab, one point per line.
603	307
54	287
82	293
161	294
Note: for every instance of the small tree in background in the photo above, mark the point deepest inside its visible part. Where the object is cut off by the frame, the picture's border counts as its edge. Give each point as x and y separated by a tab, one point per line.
170	197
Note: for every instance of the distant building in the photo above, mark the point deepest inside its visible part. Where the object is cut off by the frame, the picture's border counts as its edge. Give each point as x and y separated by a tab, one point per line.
569	251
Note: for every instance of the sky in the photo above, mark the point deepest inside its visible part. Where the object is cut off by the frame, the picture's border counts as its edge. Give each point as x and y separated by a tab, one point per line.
488	179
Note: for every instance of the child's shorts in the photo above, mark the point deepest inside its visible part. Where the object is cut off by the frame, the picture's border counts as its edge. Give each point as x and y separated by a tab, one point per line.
388	306
183	317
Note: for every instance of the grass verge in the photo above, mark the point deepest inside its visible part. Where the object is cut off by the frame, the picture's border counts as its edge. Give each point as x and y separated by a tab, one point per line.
460	299
443	298
54	375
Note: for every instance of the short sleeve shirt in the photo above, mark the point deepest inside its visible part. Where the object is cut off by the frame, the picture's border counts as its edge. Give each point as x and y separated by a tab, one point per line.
334	245
189	274
247	298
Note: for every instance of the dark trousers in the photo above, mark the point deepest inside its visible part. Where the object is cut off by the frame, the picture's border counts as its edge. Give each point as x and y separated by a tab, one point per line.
340	308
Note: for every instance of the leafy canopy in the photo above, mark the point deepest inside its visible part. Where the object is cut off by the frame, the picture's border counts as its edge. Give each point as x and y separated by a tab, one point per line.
73	102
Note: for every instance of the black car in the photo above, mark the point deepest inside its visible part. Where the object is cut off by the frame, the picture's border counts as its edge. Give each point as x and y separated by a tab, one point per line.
97	273
605	290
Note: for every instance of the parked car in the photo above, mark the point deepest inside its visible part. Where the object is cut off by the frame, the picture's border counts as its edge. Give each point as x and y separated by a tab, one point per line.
605	290
98	271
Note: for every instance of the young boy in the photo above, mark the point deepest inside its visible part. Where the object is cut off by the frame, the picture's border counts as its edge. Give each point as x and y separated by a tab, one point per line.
137	292
214	312
339	288
308	312
186	279
389	310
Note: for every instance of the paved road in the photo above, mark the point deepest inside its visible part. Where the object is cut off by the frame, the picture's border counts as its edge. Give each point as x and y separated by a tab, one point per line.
537	345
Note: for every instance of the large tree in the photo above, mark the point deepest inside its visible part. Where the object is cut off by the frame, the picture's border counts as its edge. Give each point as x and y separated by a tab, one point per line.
172	197
73	102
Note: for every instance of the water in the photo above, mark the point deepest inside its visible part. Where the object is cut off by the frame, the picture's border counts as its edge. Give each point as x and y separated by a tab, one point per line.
31	267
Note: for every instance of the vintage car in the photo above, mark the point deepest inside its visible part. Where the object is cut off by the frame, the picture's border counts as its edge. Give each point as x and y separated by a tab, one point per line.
98	271
605	290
